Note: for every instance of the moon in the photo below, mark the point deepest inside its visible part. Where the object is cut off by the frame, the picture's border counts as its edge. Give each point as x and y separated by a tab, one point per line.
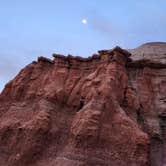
84	21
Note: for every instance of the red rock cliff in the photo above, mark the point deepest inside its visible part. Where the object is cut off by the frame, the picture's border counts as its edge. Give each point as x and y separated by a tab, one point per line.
105	110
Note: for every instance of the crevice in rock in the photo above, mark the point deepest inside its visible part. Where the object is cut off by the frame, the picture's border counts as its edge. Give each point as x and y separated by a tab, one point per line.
140	118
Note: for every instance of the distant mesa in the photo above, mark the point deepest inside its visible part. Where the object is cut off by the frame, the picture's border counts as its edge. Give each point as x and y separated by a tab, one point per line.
155	51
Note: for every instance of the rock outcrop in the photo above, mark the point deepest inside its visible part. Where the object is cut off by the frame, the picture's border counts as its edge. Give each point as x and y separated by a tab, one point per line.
120	122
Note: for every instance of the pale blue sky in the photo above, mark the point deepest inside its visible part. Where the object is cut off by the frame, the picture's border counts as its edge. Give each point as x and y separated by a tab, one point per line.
30	28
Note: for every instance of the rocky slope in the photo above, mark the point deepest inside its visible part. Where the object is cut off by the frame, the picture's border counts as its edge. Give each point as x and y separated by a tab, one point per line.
105	110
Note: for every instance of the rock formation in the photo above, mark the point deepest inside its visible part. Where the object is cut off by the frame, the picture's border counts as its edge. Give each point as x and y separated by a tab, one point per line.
153	50
122	121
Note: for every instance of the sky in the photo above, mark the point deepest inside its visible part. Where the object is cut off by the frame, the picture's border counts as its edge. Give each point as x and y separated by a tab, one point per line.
32	28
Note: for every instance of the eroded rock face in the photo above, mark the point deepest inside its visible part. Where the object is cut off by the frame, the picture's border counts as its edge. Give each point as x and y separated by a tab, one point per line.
122	121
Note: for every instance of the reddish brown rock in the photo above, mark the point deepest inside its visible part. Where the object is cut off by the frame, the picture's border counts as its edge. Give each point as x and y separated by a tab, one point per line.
122	121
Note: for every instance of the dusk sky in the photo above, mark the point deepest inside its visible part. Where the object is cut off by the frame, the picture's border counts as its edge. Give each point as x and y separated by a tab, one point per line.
32	28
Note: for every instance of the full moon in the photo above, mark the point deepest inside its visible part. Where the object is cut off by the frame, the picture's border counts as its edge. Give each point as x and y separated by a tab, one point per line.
84	21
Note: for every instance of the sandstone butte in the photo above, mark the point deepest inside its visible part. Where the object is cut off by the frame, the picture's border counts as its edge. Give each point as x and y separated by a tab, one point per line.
122	121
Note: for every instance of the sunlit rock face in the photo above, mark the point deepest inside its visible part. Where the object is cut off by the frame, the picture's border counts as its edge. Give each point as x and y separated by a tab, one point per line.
105	110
